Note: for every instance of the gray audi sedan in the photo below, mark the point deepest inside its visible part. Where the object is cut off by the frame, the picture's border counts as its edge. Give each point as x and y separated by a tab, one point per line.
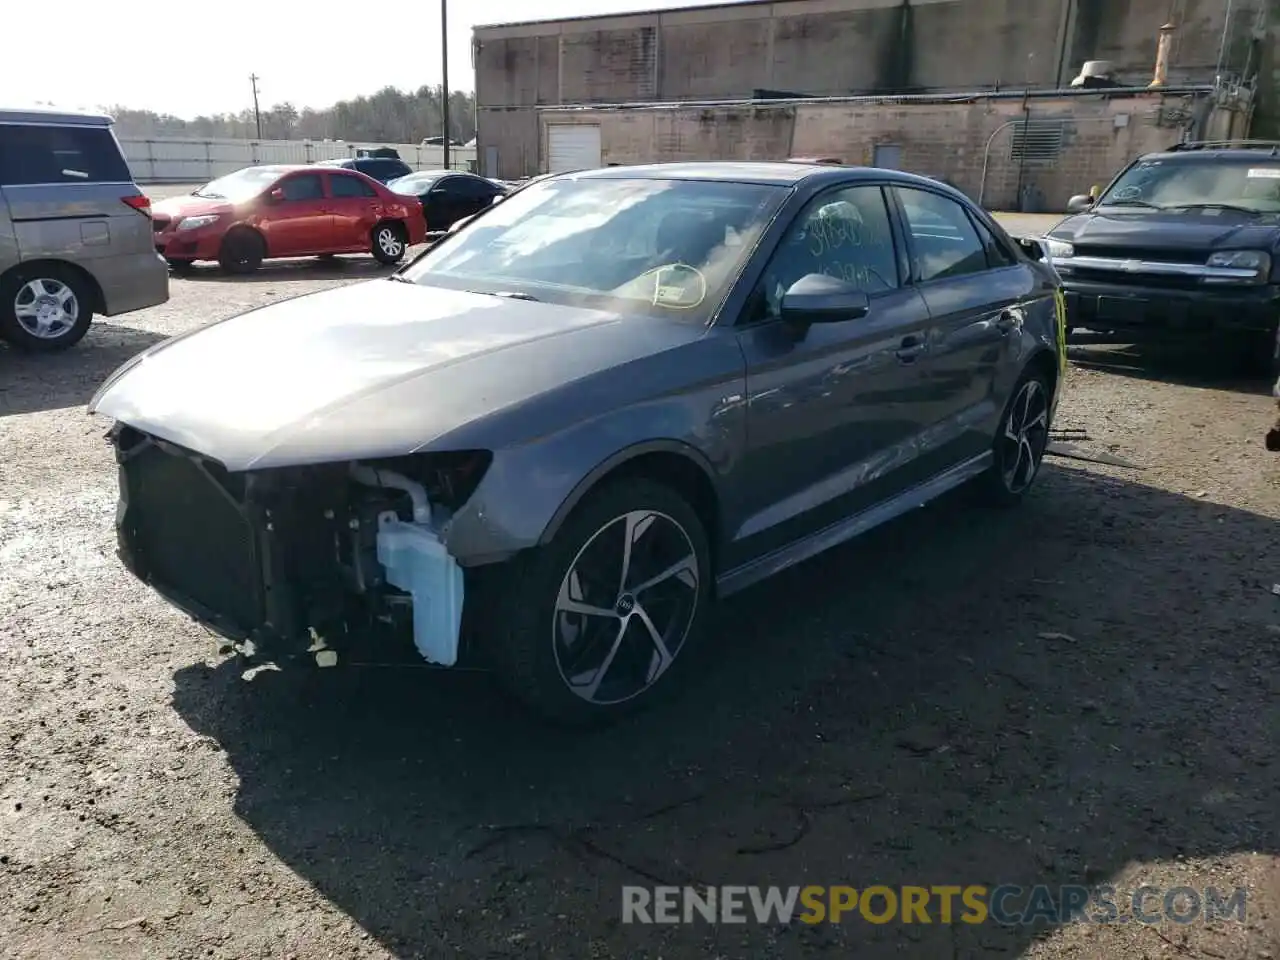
549	443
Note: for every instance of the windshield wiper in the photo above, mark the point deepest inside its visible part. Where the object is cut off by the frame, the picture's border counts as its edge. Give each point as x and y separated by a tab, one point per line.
1130	203
399	278
513	295
1212	206
209	196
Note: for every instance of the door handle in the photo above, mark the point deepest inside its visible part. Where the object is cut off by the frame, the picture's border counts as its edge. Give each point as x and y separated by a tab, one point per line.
1008	320
911	347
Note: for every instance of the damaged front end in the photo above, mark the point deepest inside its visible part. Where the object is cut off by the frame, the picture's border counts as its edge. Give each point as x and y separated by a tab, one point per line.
323	561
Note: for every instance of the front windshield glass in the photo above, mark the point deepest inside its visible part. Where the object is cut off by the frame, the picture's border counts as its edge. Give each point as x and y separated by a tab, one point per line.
1252	186
414	183
669	248
241	185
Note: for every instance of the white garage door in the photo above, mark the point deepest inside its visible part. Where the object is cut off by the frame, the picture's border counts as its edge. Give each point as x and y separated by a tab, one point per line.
572	146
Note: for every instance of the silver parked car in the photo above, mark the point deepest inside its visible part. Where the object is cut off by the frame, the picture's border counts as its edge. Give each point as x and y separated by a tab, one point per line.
75	230
551	441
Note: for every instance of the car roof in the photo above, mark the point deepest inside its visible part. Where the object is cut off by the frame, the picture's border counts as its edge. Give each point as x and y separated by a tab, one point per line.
278	168
773	172
53	115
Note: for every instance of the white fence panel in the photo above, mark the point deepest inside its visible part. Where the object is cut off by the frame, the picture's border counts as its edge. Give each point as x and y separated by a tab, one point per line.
177	160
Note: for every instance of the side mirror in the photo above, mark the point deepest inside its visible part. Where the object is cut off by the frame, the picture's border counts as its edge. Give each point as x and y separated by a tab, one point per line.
1033	248
276	195
1079	203
818	298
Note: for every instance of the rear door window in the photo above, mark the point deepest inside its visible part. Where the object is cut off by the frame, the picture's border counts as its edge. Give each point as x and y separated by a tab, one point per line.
59	154
945	241
344	186
471	189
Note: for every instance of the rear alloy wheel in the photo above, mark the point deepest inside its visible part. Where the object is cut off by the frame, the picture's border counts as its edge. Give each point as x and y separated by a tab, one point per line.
389	243
600	620
44	312
1021	441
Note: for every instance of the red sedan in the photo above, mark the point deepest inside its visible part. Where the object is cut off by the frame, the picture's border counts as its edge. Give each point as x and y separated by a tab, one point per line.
260	213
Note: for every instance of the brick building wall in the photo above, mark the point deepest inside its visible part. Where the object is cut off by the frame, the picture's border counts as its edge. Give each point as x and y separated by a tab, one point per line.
1098	136
838	48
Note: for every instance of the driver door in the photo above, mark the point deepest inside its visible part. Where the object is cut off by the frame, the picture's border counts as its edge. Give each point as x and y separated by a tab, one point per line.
833	411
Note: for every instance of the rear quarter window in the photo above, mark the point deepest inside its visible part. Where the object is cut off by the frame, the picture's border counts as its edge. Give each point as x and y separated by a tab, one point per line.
57	154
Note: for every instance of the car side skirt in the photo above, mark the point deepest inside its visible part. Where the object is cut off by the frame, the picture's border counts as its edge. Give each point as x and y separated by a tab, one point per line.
822	540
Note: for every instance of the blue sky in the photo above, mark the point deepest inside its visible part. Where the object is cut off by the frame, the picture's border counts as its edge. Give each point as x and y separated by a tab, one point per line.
192	58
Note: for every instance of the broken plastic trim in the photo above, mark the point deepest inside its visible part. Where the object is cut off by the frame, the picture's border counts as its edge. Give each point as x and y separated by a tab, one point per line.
416	561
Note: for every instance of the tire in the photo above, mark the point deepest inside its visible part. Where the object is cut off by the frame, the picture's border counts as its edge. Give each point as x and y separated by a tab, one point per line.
1259	355
582	669
389	242
242	252
44	309
1026	417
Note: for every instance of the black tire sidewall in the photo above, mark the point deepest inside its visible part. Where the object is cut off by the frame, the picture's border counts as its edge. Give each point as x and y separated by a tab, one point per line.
12	332
241	252
523	651
376	247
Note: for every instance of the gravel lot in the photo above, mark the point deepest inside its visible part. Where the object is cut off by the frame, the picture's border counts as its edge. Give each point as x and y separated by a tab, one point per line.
1081	691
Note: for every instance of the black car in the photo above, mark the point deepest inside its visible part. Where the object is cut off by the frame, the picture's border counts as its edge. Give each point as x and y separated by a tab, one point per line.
382	169
1182	244
448	196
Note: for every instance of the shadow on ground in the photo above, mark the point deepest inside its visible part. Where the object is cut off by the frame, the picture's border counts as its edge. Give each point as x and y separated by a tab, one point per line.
355	267
1035	696
30	382
1191	365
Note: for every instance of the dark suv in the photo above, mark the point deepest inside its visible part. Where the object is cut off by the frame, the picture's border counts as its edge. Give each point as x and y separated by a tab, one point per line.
382	169
1181	244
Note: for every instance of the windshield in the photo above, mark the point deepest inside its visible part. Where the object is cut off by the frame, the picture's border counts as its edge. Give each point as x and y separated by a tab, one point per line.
1253	186
668	248
414	183
241	185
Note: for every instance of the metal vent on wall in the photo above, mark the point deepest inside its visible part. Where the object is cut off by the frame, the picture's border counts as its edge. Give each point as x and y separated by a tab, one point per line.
1036	141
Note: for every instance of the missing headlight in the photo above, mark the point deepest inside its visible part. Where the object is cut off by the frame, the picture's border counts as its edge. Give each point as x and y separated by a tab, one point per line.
449	478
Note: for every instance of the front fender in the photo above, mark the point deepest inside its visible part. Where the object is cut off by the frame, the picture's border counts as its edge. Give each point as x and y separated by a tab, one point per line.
530	488
601	470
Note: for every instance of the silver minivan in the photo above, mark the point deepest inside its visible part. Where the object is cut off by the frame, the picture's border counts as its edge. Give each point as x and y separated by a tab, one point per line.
75	230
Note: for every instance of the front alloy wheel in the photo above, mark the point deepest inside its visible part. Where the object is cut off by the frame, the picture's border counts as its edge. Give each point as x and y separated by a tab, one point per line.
599	621
625	607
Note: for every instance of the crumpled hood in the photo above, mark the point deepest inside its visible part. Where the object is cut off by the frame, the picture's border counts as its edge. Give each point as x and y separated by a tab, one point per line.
1188	231
379	368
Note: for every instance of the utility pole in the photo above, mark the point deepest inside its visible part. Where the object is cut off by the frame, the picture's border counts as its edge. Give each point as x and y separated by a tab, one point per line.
257	114
444	81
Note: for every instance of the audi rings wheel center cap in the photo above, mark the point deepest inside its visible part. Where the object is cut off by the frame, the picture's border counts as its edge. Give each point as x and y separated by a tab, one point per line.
625	605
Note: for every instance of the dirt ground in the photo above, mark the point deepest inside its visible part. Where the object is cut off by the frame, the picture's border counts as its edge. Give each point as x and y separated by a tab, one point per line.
1085	690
